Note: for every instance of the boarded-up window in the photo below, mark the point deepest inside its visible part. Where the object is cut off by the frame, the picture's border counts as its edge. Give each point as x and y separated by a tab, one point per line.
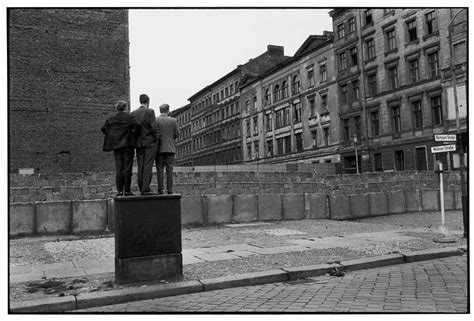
460	52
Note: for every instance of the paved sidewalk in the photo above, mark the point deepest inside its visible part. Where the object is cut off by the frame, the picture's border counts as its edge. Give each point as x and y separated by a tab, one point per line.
433	286
215	253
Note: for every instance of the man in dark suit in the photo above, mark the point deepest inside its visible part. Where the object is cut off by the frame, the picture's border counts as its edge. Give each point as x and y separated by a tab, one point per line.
120	131
146	144
168	132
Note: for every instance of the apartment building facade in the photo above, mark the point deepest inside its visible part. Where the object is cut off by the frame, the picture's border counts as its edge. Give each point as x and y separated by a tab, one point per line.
290	113
215	113
370	95
184	141
393	97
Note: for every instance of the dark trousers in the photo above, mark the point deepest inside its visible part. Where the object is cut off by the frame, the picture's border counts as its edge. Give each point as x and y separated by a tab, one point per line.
123	168
145	158
165	160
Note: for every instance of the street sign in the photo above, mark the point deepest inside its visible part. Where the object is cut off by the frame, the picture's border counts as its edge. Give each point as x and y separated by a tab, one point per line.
445	138
443	148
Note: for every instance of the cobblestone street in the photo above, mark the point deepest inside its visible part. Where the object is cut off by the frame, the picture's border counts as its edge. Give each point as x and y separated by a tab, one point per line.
438	286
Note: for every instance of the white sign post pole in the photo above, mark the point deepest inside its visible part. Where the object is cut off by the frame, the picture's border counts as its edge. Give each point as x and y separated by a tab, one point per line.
444	231
441	196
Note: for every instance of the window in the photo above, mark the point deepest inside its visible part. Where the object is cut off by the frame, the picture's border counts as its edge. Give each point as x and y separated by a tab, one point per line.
393	77
312	107
346	130
296	85
372	84
390	39
459	52
326	136
417	114
353	54
231	88
299	142
436	111
268	122
247	124
351	25
375	125
433	64
255	126
368	17
249	151
357	127
280	146
254	102
399	160
323	73
342	61
297	112
324	103
396	124
370	45
431	24
279	119
267	97
411	31
269	148
314	138
413	70
286	116
285	90
256	149
340	31
226	91
311	80
344	93
287	144
355	90
277	93
421	158
378	162
247	105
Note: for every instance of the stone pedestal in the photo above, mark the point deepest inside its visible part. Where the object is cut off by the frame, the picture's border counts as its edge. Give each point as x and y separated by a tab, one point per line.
147	238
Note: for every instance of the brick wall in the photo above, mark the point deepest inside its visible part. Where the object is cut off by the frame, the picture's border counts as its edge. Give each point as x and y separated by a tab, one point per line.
67	68
101	185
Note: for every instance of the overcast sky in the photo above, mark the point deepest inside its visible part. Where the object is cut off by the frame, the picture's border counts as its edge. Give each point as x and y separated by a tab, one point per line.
174	53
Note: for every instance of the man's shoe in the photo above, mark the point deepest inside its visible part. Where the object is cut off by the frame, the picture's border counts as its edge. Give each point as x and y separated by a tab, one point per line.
160	192
148	193
129	194
170	192
119	194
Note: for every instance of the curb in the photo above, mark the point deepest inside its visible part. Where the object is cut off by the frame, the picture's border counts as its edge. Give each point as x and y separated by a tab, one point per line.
97	299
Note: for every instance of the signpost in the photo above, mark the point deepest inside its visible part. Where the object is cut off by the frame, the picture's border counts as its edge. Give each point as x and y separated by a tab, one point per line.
445	148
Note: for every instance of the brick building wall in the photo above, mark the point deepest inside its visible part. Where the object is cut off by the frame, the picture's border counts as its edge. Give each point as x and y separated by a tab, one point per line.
67	69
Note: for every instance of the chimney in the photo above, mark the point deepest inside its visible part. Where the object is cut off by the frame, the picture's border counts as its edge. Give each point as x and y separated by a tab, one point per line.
275	50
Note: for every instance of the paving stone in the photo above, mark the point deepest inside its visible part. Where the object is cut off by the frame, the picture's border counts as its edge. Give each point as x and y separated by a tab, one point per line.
64	273
216	256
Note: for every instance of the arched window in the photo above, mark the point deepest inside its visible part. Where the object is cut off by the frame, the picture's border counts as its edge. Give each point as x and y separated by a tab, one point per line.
296	85
267	97
277	92
285	89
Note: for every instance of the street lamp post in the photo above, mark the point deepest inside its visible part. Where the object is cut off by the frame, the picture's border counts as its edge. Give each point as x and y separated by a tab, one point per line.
458	130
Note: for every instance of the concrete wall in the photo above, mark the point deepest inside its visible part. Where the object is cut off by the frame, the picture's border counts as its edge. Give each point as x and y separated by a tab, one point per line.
337	198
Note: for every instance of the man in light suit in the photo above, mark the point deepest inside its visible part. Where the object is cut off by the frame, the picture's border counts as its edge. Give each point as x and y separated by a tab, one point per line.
146	144
168	132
